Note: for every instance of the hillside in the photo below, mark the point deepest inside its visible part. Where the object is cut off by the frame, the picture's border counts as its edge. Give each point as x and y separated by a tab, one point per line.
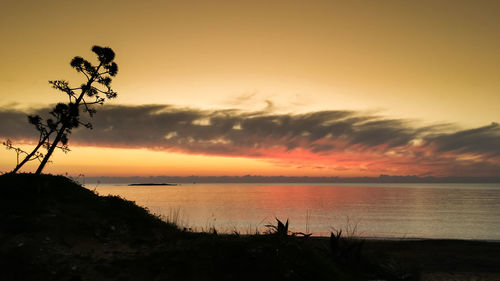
55	229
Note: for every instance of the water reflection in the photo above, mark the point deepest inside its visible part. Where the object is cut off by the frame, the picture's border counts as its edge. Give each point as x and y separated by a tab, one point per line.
429	210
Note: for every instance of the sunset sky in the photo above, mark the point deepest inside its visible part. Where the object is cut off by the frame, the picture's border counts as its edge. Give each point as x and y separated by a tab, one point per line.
294	88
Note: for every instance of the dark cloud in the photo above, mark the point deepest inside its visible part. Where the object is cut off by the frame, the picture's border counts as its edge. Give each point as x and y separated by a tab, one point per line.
483	140
384	132
14	124
238	133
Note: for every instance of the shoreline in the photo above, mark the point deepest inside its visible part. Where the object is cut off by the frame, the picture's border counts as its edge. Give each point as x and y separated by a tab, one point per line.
403	239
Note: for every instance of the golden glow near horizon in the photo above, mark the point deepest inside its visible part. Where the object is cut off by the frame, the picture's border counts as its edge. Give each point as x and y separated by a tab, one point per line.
433	61
97	161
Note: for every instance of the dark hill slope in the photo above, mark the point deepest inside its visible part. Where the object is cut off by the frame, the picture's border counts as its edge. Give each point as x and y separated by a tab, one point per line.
55	229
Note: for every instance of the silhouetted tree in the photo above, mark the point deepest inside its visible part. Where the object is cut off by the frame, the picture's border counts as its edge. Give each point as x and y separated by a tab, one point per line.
45	129
34	155
66	116
95	91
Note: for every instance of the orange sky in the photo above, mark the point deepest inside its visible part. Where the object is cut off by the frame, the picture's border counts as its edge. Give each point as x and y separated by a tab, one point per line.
430	62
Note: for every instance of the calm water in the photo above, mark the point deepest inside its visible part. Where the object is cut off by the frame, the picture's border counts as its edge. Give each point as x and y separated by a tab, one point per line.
464	211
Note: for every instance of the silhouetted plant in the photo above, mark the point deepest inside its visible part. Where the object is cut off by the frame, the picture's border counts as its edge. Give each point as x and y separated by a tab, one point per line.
281	230
335	243
345	249
34	155
45	130
66	116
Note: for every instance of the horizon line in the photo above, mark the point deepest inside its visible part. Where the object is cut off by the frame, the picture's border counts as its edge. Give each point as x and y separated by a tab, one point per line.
291	179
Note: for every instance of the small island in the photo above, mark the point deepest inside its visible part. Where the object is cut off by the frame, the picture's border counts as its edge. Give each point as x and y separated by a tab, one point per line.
155	184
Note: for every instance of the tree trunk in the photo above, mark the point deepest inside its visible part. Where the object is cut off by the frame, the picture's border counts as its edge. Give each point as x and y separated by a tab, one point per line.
51	150
63	128
28	157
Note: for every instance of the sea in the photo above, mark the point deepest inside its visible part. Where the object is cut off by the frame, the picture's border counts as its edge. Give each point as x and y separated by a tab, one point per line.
406	211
